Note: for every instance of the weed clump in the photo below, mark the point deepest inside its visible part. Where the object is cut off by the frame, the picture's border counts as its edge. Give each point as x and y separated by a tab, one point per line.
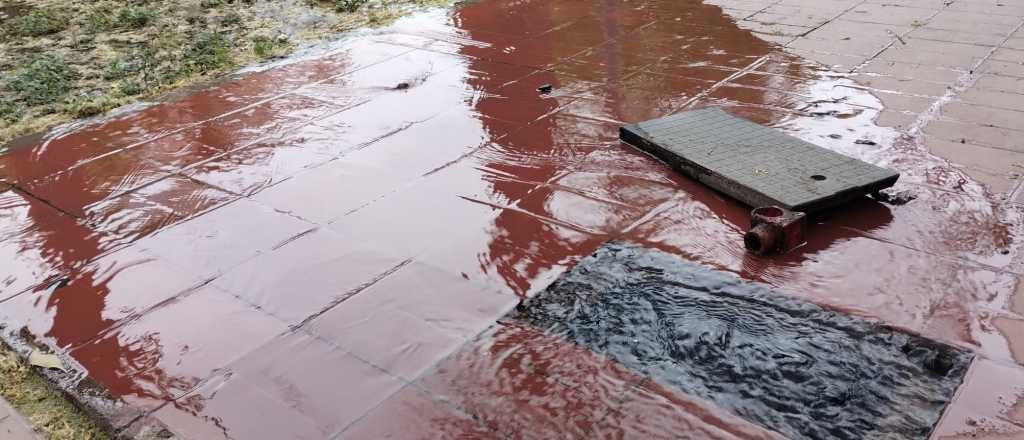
209	51
9	111
134	17
231	19
348	5
45	80
127	66
268	47
37	23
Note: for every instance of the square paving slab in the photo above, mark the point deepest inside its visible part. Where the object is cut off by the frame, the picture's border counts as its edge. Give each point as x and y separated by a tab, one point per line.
754	164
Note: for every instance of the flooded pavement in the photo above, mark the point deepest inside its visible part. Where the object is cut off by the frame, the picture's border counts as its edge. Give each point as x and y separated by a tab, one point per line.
335	241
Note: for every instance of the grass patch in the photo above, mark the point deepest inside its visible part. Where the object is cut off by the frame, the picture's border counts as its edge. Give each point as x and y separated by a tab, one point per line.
209	51
88	106
37	23
129	65
47	410
9	111
267	47
231	19
348	5
134	17
68	59
44	81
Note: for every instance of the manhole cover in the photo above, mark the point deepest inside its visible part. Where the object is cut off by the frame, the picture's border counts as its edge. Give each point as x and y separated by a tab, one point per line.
756	165
786	364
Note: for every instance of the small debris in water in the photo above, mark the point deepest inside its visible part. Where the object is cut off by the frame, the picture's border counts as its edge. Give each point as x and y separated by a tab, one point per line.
46	360
545	89
896	198
865	142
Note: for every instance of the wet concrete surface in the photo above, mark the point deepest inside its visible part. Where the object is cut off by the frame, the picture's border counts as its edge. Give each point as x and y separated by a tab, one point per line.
315	242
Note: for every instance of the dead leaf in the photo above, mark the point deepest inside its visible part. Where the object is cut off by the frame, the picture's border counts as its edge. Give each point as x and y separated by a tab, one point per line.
45	360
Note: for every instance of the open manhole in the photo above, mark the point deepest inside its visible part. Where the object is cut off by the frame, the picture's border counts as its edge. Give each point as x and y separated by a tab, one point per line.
786	364
756	165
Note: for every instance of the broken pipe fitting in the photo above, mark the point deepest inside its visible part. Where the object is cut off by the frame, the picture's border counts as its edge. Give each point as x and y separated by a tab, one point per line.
774	230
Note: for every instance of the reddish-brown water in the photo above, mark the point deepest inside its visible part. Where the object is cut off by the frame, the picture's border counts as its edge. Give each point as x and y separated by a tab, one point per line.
276	256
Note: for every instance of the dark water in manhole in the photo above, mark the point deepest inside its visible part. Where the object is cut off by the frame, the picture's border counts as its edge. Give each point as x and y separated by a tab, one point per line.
786	364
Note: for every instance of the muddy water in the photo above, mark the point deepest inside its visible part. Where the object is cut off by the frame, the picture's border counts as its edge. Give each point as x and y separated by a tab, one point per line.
269	204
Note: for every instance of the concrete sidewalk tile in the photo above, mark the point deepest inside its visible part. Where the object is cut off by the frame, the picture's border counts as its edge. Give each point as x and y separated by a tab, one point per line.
13	425
1002	68
896	119
1011	101
828	5
107	177
650	410
990	8
220	239
974	22
840	45
926	4
983	115
773	29
253	168
888	14
902	85
301	278
928	33
1014	56
444	300
443	212
987	406
411	414
856	29
744	5
31	234
104	293
1001	83
400	343
504	379
995	167
957	48
156	359
152	208
993	137
905	53
292	387
897	69
770	17
902	102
